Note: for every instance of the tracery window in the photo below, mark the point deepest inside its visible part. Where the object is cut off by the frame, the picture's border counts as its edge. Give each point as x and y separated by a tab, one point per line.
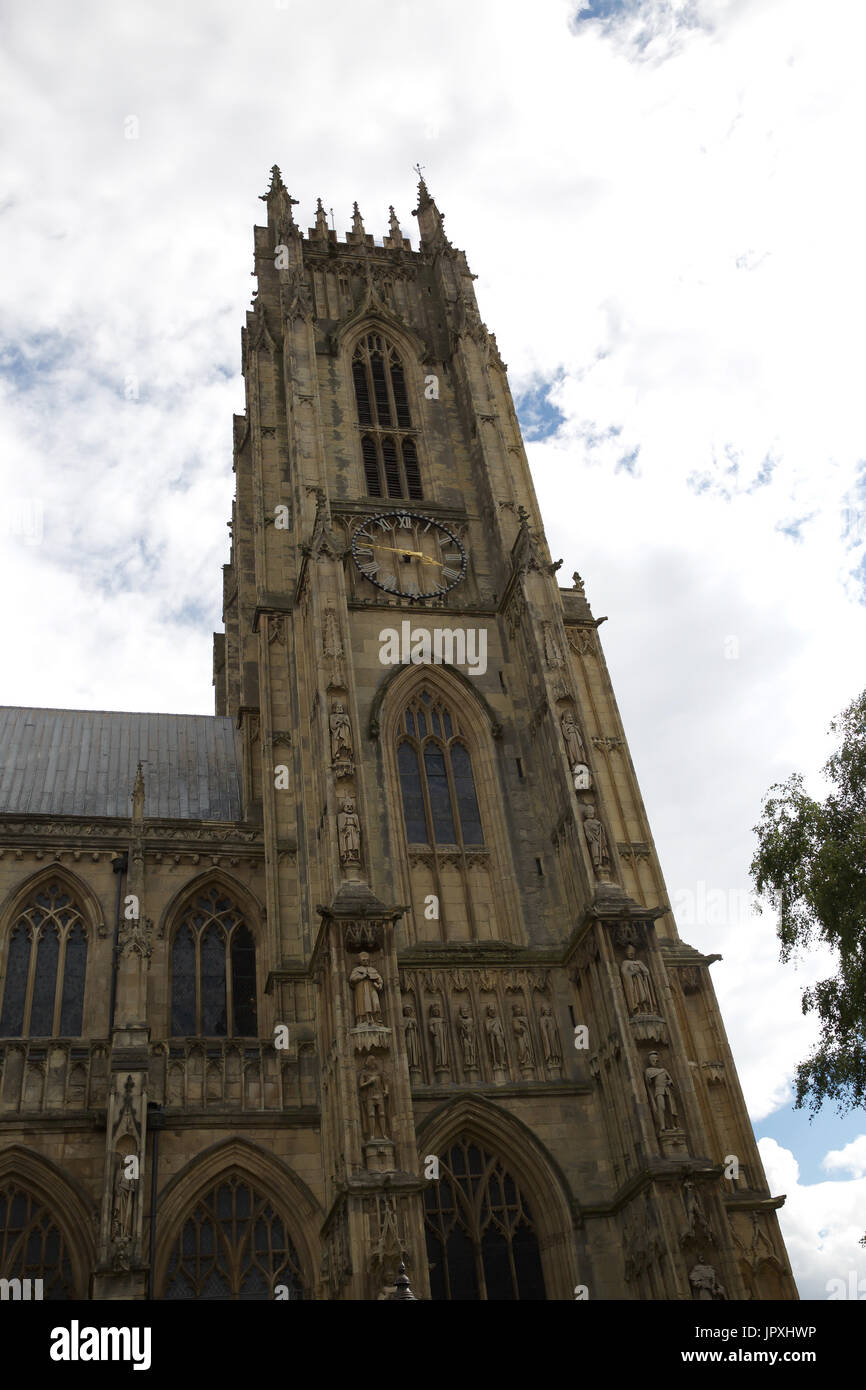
233	1245
46	964
388	449
481	1238
213	977
31	1244
438	788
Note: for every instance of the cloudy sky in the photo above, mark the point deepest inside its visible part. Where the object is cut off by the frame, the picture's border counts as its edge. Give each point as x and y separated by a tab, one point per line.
663	202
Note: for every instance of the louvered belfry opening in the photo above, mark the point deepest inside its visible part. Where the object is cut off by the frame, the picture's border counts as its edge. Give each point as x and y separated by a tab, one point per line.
388	449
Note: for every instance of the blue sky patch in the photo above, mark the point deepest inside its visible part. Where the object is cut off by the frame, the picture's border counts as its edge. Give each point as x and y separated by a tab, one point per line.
191	614
539	417
794	528
600	9
25	364
810	1140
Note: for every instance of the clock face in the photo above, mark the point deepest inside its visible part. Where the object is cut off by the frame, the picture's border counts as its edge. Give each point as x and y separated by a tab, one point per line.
410	556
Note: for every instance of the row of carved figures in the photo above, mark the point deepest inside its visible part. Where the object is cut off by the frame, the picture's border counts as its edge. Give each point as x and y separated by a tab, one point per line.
367	986
490	1040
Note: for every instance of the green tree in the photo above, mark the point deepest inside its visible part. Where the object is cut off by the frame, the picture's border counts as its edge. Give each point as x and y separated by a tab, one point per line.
811	866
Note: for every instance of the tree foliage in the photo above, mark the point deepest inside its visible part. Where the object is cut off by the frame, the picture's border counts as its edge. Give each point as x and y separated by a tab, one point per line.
810	865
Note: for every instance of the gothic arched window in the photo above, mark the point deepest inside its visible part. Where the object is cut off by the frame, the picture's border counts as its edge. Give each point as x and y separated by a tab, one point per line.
388	449
31	1244
213	977
233	1245
436	781
46	963
481	1239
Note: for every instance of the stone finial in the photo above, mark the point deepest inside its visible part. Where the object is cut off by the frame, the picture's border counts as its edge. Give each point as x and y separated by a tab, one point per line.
357	221
396	233
402	1292
280	201
430	222
138	795
321	220
424	199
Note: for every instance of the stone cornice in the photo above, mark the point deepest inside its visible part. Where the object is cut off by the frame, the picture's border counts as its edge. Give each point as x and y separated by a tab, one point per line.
74	833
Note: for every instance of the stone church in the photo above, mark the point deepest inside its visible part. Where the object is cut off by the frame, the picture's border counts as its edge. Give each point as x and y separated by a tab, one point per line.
375	967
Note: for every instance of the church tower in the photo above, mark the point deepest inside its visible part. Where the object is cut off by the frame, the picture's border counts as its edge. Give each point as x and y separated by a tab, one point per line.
513	1071
374	967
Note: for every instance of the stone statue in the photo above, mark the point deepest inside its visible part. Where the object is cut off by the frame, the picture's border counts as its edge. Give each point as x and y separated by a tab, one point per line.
495	1038
698	1226
520	1026
332	644
121	1254
552	654
410	1031
349	831
637	984
573	740
373	1089
366	983
342	747
466	1032
550	1037
436	1024
123	1203
705	1285
660	1085
596	839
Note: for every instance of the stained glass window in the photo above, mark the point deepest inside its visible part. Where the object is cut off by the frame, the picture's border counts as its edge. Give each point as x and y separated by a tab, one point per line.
481	1238
46	965
213	974
233	1245
440	805
31	1245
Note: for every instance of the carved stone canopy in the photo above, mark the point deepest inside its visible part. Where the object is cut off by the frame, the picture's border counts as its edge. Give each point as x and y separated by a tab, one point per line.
363	936
361	915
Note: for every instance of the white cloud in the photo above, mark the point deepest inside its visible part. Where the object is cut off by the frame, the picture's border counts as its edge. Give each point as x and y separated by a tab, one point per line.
851	1159
822	1224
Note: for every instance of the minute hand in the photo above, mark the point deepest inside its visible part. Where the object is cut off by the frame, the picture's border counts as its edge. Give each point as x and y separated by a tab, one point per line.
416	554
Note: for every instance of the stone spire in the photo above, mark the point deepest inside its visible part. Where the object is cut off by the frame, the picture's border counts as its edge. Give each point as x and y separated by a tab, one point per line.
357	221
138	796
394	241
277	184
430	219
280	202
424	198
321	221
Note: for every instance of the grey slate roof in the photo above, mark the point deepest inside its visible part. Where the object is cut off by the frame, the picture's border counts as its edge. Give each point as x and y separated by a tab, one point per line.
69	762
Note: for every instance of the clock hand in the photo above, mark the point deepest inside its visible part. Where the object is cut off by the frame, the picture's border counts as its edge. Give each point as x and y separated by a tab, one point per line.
416	554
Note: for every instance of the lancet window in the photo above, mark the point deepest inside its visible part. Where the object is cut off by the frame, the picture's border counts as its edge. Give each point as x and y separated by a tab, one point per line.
46	964
388	449
481	1237
213	987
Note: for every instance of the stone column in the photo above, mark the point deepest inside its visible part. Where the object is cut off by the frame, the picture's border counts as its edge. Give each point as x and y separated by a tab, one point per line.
121	1271
373	1182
